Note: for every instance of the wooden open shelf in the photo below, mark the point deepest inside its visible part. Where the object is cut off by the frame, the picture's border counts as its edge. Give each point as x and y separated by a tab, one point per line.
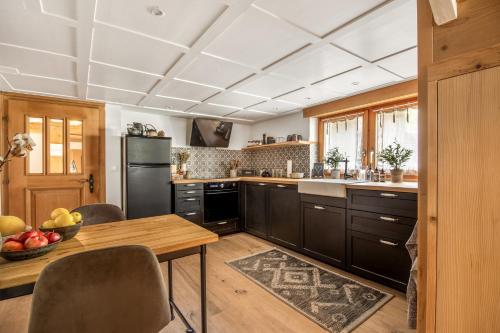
280	145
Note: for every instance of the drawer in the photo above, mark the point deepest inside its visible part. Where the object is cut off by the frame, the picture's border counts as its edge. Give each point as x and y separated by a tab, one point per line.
188	204
223	227
189	193
189	186
195	216
381	224
379	258
393	203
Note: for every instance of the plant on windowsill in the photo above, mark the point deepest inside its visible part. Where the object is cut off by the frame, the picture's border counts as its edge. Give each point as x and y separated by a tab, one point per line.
20	145
332	159
396	156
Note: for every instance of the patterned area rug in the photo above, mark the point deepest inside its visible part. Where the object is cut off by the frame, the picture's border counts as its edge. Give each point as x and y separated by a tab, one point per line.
335	302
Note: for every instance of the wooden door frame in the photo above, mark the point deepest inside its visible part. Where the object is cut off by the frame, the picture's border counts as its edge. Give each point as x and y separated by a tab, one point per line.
99	107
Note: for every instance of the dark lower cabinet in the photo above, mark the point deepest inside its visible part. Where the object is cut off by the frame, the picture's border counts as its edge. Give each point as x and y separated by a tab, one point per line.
284	215
324	232
379	258
255	208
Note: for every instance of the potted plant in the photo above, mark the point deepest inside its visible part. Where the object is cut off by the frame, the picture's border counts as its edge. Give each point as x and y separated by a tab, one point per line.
233	168
183	158
332	159
396	156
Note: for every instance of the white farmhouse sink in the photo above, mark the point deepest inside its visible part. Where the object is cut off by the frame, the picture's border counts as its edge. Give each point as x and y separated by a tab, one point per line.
326	187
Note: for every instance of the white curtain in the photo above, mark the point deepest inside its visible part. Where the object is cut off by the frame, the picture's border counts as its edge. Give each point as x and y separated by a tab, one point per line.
347	135
402	125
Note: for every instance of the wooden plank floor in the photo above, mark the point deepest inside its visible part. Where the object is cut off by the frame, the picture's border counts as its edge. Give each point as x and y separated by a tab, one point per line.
235	304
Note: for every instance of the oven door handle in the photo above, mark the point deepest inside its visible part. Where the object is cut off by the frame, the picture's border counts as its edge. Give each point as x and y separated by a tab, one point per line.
220	192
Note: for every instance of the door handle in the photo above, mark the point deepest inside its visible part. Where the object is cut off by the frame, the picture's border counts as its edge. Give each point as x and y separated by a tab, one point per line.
190	199
281	186
190	214
190	185
90	181
319	207
388	195
390	219
221	223
387	242
261	184
190	192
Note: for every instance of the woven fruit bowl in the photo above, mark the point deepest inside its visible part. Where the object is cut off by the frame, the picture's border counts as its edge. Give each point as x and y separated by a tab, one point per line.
65	232
30	253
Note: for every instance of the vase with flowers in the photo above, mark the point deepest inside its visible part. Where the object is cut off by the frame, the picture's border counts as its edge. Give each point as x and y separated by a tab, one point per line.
20	145
233	168
183	157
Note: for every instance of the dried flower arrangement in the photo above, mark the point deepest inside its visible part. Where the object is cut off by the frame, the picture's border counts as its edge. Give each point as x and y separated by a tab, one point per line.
234	164
20	145
183	157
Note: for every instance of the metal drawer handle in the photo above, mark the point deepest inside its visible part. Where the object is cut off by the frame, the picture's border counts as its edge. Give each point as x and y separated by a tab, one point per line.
390	219
319	207
387	242
190	185
191	214
282	186
261	184
221	223
190	199
388	195
190	192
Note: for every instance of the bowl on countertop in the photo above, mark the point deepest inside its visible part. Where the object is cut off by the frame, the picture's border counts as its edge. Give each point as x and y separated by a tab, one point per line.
65	232
297	175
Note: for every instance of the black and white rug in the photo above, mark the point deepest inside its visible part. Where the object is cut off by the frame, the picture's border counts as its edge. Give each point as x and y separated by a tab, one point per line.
335	302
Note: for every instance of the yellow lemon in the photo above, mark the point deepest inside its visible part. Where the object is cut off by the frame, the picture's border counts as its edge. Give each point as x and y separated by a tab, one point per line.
58	211
77	217
64	220
48	224
10	225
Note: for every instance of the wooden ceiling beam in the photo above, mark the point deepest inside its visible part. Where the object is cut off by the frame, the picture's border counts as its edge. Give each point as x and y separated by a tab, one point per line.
394	93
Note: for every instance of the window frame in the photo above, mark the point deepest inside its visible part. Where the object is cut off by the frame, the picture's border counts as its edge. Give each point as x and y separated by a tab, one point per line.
369	129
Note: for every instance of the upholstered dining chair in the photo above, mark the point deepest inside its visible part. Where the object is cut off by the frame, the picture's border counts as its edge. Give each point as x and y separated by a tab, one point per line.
118	289
100	213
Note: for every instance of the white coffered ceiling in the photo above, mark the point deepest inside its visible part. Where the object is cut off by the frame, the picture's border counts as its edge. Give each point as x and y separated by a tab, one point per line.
240	59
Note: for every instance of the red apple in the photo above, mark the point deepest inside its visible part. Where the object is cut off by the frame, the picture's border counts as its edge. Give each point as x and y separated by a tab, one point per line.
14	237
11	246
27	234
52	237
36	242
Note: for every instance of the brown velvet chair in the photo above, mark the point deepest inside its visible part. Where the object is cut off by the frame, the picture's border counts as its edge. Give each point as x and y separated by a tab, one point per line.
100	213
118	289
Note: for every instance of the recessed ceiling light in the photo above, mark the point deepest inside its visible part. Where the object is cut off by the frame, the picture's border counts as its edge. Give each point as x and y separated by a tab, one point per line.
156	11
355	83
307	98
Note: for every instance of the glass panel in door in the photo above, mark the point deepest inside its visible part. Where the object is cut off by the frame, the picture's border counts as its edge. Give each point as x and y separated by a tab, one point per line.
36	156
75	146
56	146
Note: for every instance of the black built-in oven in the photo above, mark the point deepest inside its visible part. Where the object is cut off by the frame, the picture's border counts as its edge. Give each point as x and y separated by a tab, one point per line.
220	202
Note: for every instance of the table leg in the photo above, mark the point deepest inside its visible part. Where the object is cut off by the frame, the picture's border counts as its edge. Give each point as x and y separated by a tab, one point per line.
170	289
203	284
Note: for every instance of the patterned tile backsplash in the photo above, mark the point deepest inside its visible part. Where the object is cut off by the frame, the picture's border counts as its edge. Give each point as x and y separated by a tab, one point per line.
214	162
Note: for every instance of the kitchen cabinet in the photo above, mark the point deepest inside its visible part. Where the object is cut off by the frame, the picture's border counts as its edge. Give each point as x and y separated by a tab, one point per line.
255	208
376	235
188	202
284	215
324	229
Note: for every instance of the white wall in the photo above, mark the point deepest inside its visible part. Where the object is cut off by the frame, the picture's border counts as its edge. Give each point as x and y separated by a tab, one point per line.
293	123
117	118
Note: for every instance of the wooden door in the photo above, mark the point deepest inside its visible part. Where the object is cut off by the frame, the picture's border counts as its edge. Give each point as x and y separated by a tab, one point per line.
284	215
468	204
66	167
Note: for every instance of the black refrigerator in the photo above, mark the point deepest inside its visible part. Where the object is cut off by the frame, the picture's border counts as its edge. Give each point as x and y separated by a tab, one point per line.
146	176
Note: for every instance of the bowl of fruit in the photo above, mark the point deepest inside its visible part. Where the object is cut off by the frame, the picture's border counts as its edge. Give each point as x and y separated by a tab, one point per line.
64	223
29	244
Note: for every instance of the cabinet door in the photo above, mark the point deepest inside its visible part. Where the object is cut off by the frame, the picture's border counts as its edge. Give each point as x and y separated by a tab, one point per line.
284	215
255	209
380	258
323	234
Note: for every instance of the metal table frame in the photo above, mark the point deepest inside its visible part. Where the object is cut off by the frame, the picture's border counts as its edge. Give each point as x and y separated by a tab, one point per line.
168	257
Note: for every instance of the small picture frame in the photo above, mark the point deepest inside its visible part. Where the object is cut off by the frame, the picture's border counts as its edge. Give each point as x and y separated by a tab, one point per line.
318	171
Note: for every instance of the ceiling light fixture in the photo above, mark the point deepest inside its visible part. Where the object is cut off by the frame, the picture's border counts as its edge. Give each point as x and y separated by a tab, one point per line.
156	11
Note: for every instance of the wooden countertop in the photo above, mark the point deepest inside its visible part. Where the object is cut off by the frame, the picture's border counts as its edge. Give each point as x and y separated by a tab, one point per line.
162	234
410	187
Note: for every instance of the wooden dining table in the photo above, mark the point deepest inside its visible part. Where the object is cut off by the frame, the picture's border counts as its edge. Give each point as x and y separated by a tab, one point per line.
168	236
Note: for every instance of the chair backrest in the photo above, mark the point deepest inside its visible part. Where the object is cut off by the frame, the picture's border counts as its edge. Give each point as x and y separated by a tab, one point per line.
118	289
100	213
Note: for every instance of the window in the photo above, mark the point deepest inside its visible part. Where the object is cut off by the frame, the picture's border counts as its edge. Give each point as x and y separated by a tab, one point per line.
346	133
399	124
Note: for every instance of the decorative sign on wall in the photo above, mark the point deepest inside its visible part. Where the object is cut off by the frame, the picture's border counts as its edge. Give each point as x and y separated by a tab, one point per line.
317	171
